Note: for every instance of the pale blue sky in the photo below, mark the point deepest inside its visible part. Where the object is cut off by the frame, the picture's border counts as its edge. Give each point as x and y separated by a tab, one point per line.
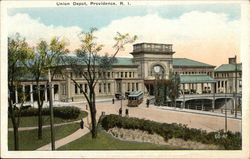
87	17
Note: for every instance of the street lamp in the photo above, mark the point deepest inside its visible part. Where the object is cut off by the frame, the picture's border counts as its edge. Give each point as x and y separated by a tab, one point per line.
51	113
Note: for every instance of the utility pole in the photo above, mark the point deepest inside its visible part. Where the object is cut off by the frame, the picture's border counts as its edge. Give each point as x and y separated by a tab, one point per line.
51	115
235	86
226	111
213	104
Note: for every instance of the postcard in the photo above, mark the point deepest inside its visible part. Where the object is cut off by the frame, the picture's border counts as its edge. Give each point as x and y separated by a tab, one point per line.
125	79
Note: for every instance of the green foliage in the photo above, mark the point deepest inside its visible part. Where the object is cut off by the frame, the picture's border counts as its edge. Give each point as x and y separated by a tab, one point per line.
228	140
105	141
29	141
66	112
174	87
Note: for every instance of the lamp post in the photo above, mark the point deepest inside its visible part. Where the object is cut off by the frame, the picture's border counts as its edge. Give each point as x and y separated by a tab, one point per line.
235	86
51	114
226	111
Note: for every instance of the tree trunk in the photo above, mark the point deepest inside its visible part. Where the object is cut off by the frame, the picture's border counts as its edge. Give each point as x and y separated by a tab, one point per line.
16	136
13	119
93	113
40	124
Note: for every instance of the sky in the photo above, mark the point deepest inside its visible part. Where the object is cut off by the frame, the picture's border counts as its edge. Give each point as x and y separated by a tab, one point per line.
208	33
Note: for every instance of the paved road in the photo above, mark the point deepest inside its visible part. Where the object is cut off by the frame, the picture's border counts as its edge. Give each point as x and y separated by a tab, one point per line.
208	122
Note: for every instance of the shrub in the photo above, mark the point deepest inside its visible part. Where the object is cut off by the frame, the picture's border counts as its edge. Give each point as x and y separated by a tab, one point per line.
66	112
228	140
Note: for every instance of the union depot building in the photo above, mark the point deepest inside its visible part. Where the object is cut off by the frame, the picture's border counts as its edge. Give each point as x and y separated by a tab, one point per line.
139	73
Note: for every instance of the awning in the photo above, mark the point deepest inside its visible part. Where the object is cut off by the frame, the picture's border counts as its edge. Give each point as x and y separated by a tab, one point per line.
196	79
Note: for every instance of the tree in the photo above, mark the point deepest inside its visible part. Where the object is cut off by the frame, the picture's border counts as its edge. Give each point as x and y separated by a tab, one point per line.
174	88
18	51
46	56
92	67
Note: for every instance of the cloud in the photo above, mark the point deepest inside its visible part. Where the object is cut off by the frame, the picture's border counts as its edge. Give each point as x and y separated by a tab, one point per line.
204	36
34	31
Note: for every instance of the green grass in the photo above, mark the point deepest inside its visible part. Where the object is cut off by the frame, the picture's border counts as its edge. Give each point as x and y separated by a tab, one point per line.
28	139
105	141
31	121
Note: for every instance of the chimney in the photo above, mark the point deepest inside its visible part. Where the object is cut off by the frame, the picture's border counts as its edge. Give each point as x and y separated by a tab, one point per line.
232	60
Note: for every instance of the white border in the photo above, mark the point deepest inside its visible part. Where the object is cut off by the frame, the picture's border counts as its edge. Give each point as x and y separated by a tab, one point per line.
245	47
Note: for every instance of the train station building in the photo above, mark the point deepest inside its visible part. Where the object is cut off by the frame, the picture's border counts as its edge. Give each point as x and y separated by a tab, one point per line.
149	61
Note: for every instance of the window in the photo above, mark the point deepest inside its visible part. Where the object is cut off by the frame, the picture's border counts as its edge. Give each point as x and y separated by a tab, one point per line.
128	87
121	74
86	88
76	90
64	89
108	74
240	83
129	74
222	83
104	87
81	90
125	74
133	86
109	88
137	86
100	87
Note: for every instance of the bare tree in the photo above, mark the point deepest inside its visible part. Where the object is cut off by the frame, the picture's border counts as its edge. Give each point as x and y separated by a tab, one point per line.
92	67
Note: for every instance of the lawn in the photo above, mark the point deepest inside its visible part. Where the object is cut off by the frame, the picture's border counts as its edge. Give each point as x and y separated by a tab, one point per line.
28	139
31	121
105	141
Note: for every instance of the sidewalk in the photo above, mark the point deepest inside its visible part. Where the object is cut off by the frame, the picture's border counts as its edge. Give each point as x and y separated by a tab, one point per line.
76	135
195	111
59	103
45	126
72	137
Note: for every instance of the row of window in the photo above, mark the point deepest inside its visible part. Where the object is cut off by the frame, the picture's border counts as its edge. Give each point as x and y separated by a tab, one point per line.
132	87
104	87
83	87
125	74
224	84
226	74
107	75
193	73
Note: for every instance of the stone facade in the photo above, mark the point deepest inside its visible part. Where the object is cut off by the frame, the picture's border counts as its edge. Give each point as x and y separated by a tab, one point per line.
137	73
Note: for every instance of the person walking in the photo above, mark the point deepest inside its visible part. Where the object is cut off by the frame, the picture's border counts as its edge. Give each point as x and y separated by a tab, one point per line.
82	124
147	102
120	111
126	112
113	101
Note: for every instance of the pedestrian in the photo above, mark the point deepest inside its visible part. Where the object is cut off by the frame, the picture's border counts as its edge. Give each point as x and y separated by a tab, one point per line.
126	112
113	101
120	111
82	124
147	102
